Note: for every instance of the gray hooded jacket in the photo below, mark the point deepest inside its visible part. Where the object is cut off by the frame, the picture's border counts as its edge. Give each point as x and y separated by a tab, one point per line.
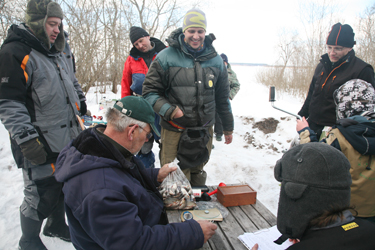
38	96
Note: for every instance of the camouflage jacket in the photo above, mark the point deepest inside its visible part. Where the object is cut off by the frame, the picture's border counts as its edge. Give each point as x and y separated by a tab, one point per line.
234	85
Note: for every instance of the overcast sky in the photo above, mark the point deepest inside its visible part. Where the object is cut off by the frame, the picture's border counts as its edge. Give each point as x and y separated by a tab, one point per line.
247	31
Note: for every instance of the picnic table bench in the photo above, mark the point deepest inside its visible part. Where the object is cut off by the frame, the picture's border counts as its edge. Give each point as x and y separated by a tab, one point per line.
240	219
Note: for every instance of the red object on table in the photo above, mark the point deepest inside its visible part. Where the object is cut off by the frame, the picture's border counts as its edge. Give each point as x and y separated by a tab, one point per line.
222	184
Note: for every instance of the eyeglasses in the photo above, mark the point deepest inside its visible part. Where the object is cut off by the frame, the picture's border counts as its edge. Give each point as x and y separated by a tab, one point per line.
335	49
148	135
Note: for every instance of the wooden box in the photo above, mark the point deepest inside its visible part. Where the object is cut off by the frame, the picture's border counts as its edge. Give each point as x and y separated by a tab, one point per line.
238	195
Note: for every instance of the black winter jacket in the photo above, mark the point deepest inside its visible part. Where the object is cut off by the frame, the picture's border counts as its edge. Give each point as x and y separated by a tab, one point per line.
197	85
319	106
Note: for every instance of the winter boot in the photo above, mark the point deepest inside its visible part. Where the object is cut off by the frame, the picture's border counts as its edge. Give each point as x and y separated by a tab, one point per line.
30	234
55	225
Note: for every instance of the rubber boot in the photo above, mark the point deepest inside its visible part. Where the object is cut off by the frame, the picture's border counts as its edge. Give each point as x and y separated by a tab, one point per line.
30	234
55	225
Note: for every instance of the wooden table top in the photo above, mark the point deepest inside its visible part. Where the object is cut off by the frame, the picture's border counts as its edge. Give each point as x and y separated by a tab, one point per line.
240	219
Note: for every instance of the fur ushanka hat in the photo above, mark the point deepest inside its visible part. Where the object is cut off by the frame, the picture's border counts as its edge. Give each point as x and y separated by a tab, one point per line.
314	177
37	12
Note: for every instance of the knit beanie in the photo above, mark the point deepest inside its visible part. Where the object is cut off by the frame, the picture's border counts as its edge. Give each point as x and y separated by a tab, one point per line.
314	177
341	35
37	12
224	57
354	97
194	18
136	33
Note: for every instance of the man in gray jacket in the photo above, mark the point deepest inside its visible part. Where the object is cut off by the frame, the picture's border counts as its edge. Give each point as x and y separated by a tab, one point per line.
38	106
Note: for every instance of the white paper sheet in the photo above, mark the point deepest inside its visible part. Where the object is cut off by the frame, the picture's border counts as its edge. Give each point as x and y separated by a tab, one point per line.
264	238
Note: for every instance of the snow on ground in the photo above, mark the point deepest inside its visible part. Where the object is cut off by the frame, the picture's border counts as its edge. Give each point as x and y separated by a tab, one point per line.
249	159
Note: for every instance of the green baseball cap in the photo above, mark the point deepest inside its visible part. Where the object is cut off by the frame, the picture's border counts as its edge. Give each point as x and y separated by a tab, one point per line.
137	108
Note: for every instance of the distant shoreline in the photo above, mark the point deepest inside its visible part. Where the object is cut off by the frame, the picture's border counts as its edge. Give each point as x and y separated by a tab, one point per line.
249	64
264	65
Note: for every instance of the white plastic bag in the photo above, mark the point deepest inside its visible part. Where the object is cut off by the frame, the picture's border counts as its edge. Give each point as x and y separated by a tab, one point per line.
176	190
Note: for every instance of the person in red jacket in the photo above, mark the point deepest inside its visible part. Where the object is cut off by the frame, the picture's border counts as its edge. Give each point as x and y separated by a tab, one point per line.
144	51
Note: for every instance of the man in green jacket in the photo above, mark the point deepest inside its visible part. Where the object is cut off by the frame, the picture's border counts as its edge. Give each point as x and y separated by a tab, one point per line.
234	87
186	84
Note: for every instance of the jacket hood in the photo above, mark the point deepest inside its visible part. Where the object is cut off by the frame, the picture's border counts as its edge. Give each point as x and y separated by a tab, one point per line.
21	33
328	64
360	135
86	152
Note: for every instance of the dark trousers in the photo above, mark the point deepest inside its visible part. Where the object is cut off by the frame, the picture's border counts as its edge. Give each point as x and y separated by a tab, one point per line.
218	130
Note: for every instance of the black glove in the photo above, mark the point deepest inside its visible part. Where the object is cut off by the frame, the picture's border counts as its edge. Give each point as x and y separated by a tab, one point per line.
83	108
34	151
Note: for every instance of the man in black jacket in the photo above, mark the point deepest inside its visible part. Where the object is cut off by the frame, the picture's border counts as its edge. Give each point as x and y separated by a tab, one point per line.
336	67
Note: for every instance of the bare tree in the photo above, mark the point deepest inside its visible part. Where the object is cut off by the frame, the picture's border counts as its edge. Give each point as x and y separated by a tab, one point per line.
302	52
11	11
365	48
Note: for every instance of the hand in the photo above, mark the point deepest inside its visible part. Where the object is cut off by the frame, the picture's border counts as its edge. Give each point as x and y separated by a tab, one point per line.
255	247
83	108
34	151
164	171
228	139
294	241
301	124
208	229
178	114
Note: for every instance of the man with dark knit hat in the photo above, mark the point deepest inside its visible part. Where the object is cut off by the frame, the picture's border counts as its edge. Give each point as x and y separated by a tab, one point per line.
234	87
39	103
144	51
314	208
336	67
186	84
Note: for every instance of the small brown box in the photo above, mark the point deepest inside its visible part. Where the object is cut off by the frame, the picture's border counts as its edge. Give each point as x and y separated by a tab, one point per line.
239	195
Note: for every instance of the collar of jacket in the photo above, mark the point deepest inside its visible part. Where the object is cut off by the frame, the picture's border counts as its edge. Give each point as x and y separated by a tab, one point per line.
159	46
329	65
340	220
92	142
22	33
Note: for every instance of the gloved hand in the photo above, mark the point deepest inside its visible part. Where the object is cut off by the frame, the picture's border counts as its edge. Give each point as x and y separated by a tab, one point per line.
83	108
34	151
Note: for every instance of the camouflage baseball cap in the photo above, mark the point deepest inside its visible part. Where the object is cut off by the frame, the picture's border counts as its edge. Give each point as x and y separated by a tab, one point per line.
37	12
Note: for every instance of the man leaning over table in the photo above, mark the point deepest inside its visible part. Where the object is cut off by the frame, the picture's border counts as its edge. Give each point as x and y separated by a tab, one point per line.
111	199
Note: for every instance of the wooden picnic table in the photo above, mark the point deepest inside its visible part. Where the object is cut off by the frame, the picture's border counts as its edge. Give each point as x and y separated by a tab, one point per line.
240	219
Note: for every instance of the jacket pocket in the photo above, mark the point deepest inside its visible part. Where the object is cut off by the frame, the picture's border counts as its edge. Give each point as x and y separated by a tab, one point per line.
209	108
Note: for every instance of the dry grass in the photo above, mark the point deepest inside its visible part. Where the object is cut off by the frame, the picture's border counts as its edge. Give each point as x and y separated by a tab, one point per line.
293	80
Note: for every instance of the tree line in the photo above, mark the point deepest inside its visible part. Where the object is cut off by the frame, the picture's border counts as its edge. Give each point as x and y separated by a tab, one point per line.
99	32
99	37
300	52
